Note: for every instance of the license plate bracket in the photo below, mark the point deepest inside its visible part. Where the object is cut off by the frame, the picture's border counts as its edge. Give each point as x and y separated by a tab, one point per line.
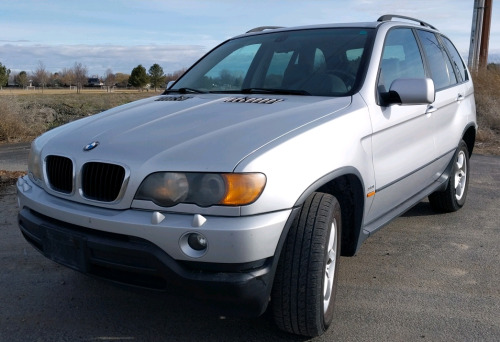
66	248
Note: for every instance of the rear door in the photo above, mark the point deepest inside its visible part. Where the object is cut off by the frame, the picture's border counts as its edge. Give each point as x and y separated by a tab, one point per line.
450	92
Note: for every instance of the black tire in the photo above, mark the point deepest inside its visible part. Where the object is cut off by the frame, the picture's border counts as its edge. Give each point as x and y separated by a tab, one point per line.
455	194
306	278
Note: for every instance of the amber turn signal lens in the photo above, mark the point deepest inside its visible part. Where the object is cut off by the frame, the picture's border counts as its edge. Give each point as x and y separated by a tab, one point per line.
243	188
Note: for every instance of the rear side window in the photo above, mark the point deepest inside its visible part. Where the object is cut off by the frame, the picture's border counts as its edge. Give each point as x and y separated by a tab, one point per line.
457	61
400	59
439	64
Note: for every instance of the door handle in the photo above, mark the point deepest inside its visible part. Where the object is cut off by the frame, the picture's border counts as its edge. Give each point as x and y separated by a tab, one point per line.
430	109
460	97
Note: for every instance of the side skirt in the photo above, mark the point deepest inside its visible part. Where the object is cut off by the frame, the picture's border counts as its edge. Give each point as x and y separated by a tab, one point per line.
373	226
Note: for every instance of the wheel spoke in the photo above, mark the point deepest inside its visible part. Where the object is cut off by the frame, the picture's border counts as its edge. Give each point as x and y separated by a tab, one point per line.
460	175
460	161
330	267
332	254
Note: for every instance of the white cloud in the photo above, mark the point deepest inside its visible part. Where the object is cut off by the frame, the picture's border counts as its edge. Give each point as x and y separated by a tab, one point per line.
121	34
98	59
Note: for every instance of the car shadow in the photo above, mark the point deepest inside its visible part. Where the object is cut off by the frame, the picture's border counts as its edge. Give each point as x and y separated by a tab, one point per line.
124	313
421	209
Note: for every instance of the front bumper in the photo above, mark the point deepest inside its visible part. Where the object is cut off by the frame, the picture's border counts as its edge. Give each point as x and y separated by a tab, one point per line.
125	247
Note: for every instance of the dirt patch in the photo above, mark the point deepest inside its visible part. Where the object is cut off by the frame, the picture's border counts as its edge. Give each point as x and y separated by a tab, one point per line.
8	178
491	148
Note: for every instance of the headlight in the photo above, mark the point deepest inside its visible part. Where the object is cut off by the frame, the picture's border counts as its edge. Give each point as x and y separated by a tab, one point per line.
35	162
167	189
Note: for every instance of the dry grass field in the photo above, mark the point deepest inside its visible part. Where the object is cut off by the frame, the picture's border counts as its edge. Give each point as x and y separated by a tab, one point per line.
487	92
24	114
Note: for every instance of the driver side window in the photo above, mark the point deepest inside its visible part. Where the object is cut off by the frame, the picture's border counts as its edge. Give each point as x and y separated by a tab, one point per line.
400	59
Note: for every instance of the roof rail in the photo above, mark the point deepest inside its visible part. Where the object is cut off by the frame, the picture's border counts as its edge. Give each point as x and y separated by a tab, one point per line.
263	28
388	17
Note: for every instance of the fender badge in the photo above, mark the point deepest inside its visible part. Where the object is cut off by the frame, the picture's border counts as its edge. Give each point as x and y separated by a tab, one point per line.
91	146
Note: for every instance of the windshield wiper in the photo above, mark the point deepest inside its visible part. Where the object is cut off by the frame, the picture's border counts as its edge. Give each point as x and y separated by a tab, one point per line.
184	91
274	91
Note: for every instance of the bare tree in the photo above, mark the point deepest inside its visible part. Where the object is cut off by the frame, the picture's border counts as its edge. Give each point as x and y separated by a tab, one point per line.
175	75
109	79
80	71
121	79
41	75
68	77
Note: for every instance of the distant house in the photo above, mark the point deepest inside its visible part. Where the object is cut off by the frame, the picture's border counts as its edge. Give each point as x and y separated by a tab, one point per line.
94	82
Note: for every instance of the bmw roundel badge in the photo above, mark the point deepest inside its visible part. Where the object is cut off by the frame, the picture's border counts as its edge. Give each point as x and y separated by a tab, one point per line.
91	146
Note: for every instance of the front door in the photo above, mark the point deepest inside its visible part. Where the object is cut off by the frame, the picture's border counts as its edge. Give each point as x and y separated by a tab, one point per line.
403	136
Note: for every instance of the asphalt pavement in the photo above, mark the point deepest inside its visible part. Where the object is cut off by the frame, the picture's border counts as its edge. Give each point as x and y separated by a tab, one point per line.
14	157
424	277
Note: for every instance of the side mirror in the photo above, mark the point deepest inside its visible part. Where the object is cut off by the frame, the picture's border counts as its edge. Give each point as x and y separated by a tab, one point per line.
169	84
411	91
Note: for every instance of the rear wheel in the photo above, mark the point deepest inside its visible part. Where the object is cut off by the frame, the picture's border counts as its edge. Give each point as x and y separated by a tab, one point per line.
305	284
453	197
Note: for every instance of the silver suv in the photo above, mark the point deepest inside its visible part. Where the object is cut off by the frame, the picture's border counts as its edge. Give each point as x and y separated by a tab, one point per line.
242	184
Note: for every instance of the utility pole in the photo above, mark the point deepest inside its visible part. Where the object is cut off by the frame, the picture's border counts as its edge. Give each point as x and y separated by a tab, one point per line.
485	34
475	34
480	34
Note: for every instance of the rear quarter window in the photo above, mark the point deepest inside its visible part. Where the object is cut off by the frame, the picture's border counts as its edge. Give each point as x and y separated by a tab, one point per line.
456	59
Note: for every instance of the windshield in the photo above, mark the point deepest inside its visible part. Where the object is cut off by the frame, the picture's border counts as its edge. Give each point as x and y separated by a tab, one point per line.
320	62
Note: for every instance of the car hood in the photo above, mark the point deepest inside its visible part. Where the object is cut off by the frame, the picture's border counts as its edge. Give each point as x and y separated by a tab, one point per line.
205	132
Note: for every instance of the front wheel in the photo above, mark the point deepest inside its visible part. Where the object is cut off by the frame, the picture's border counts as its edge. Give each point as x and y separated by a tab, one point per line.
306	278
453	197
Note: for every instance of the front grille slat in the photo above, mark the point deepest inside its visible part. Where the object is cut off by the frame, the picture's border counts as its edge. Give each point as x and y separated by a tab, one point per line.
102	181
60	173
113	174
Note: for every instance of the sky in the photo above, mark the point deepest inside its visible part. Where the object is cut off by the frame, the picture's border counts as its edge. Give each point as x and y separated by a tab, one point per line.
121	34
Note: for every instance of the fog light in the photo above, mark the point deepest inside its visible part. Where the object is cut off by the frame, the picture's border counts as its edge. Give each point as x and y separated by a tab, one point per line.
197	242
193	244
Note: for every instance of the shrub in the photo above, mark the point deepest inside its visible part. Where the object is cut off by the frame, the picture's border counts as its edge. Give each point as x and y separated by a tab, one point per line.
487	93
20	123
